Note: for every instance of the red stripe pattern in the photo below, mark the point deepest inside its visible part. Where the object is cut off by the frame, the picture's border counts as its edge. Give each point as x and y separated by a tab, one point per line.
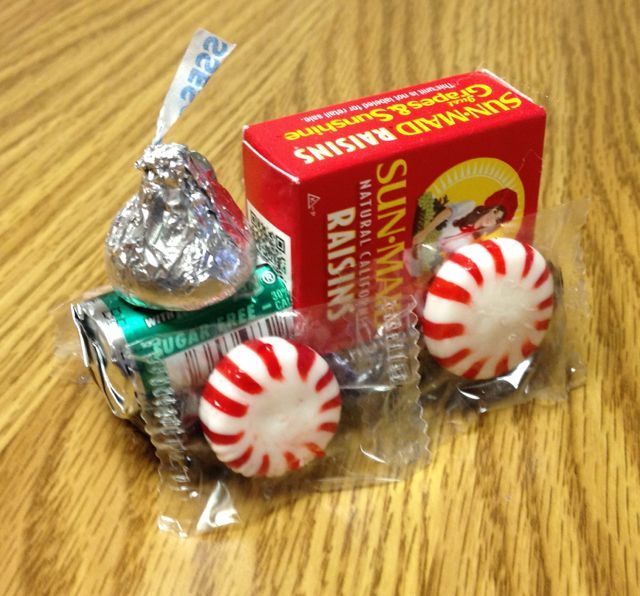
481	315
528	260
544	277
267	355
219	439
450	361
231	371
243	459
468	265
306	358
502	367
270	407
222	402
474	369
334	402
324	380
442	330
293	463
528	348
546	303
317	452
445	289
496	254
263	470
542	325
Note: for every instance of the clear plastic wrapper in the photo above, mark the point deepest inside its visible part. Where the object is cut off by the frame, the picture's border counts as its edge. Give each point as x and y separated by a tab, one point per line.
547	371
373	357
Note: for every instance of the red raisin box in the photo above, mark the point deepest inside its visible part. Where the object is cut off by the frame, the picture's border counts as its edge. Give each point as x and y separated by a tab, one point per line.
336	195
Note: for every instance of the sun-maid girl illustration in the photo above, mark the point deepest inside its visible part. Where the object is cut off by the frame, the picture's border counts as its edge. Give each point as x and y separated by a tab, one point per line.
467	201
460	223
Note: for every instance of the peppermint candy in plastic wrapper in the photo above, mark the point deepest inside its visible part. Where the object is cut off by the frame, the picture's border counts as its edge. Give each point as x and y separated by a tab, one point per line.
488	308
288	404
270	406
502	319
181	243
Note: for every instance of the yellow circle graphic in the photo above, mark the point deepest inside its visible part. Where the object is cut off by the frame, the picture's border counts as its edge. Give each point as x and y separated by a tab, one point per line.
468	201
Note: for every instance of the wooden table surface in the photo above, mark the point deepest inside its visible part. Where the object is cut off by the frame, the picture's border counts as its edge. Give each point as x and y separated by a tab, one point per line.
537	500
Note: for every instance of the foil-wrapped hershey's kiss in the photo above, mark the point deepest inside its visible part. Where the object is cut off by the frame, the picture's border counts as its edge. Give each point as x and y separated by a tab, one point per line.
181	243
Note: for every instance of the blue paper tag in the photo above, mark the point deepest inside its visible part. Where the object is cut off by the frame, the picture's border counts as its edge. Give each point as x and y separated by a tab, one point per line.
203	57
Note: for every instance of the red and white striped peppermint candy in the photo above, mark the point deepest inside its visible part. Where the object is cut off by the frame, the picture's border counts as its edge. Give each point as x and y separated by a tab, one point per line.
488	308
270	406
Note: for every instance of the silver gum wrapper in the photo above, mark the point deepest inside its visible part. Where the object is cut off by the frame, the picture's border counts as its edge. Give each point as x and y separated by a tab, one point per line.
180	243
111	331
105	354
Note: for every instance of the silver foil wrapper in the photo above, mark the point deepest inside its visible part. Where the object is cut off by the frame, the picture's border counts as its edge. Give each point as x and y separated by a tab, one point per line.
180	243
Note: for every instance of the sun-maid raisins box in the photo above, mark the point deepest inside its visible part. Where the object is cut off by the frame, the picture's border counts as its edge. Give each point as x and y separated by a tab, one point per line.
335	195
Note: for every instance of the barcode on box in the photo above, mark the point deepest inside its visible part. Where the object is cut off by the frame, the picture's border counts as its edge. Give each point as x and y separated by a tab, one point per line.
274	246
191	368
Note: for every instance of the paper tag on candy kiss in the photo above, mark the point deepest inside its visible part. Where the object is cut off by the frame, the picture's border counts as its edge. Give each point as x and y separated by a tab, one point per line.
203	57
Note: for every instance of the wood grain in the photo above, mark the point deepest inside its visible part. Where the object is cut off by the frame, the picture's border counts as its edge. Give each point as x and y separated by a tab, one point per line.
535	501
